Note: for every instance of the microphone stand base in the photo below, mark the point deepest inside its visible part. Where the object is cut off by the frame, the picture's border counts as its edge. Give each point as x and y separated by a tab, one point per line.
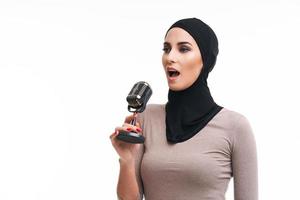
131	137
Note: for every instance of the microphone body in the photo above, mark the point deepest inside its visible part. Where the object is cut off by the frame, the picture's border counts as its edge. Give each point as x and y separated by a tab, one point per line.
137	100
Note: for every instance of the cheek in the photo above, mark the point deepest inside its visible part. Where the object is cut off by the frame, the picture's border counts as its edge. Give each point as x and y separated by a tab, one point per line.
193	66
163	61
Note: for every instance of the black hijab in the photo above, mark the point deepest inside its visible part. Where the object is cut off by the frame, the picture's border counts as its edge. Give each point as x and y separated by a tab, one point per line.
189	110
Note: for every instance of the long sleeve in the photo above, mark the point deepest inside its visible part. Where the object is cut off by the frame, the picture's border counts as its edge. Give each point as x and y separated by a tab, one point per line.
244	161
138	160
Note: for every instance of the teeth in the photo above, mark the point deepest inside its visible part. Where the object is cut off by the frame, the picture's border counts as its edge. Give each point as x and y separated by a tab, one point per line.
173	73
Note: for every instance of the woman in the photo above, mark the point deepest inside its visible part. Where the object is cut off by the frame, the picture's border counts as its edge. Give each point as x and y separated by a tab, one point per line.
193	146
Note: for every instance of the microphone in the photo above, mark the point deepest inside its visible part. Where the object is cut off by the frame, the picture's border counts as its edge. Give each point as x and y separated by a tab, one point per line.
137	100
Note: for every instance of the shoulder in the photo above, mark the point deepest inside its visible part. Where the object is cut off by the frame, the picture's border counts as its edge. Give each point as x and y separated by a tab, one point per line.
241	131
239	120
152	111
232	118
235	123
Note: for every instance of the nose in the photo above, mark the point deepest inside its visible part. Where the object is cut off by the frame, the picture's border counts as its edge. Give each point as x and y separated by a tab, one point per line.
171	56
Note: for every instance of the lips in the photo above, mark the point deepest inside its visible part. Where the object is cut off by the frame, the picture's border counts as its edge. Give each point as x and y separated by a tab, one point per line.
172	72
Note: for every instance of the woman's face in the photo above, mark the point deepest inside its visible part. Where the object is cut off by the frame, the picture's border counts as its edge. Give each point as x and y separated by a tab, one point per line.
181	59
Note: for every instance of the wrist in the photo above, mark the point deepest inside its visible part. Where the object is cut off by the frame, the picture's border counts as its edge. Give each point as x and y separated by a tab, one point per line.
126	161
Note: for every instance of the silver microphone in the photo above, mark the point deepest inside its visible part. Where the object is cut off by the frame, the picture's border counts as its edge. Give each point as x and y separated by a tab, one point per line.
137	100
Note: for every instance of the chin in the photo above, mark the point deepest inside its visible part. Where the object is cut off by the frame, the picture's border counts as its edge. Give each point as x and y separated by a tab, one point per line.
178	86
175	87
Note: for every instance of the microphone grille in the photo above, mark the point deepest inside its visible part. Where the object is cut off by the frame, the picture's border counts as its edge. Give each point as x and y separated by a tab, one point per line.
139	95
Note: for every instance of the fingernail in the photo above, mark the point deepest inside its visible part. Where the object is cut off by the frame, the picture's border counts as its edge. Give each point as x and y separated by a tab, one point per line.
128	129
138	129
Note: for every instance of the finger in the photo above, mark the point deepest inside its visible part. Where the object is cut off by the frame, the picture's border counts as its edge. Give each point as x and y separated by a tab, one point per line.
121	128
129	118
114	134
129	127
138	124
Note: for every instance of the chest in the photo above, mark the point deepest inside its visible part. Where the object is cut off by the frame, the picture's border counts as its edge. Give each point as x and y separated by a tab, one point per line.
201	160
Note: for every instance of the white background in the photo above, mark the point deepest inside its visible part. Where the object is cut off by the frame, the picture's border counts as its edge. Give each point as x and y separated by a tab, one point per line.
66	68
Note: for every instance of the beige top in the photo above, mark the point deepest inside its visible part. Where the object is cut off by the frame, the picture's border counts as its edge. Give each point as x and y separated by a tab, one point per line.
201	167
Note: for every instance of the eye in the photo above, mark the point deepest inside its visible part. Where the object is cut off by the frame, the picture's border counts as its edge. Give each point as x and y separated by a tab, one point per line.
165	49
184	49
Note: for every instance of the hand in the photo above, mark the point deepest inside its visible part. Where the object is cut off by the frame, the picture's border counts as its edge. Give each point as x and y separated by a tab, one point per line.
126	151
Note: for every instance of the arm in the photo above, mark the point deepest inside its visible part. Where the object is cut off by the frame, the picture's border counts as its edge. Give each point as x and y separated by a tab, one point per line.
244	162
129	183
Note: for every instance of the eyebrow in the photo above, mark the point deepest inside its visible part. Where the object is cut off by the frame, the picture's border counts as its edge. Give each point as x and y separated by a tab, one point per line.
179	43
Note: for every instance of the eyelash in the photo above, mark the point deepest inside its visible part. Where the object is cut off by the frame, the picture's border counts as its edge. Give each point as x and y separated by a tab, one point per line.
182	49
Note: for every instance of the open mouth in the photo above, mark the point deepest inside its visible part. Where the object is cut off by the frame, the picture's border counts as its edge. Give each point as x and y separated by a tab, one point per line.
173	73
